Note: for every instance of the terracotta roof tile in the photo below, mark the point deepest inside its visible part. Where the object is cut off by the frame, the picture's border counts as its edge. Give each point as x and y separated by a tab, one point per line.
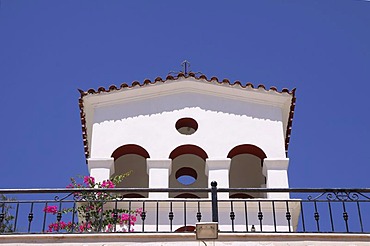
182	75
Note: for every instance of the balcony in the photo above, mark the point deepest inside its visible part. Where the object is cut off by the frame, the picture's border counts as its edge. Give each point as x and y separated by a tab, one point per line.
309	211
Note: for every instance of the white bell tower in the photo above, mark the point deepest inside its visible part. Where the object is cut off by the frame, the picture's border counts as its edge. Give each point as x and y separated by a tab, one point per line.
186	131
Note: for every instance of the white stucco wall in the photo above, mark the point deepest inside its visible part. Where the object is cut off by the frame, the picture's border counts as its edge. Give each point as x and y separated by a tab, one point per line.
222	124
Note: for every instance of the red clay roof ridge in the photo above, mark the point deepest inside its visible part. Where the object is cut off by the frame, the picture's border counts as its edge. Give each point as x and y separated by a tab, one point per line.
181	75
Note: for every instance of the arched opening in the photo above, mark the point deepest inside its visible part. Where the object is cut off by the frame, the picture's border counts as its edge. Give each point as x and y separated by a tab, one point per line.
188	171
132	157
246	170
186	175
186	229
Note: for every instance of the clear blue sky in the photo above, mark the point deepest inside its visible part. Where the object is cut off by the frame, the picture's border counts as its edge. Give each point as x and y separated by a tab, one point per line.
48	49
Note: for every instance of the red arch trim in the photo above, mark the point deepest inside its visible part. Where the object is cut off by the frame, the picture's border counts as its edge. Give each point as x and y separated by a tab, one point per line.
247	149
185	229
130	149
188	149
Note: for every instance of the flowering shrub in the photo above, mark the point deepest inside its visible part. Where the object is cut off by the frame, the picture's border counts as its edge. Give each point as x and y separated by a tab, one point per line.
93	215
6	218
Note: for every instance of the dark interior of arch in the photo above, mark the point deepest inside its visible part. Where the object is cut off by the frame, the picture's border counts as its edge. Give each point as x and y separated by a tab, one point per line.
187	195
133	195
186	171
186	122
241	195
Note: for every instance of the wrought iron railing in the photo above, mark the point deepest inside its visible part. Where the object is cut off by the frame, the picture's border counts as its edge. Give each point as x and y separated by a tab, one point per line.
105	210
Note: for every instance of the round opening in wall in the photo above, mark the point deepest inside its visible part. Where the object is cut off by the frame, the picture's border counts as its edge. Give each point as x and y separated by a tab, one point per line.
186	175
186	126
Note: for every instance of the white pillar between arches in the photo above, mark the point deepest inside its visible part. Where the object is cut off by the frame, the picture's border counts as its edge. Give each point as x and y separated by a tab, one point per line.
218	170
276	172
159	172
100	168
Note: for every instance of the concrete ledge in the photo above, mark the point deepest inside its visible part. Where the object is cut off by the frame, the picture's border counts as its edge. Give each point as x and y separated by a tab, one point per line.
114	239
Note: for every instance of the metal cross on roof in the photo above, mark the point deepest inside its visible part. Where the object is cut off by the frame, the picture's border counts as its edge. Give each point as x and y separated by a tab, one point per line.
186	69
186	65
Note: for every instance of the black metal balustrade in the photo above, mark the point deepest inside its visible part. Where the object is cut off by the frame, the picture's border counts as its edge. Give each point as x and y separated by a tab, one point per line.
85	211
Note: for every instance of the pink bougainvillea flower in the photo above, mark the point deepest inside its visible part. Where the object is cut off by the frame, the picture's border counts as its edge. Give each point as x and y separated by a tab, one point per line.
107	184
52	227
88	180
57	226
139	211
62	225
124	218
133	219
51	209
109	228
